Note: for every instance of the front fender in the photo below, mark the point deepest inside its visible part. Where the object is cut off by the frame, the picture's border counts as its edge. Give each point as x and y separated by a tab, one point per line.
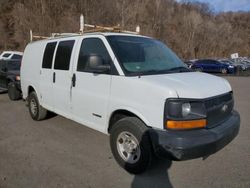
129	109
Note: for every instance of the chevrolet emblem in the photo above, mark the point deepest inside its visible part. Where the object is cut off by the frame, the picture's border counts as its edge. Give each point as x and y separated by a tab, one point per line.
224	108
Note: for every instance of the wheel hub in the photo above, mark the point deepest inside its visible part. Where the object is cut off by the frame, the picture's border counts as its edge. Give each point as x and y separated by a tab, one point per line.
33	107
128	147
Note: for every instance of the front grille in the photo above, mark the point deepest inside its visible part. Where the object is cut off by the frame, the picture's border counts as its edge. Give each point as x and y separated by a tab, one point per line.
219	109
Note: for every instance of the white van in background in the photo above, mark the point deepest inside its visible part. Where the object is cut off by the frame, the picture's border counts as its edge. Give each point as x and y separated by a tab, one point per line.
133	88
11	55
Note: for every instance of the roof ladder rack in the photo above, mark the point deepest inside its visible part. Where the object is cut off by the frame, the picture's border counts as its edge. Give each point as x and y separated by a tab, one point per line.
97	28
93	28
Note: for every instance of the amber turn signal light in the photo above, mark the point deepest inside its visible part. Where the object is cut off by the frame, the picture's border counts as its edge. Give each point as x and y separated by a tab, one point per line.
192	124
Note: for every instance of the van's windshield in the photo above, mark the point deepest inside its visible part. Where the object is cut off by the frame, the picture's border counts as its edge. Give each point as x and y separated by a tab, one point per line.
145	56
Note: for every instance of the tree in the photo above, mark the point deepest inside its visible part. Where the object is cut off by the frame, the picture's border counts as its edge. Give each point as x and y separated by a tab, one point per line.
192	30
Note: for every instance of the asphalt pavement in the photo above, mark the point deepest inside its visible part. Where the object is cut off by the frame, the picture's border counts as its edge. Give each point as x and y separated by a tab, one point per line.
58	152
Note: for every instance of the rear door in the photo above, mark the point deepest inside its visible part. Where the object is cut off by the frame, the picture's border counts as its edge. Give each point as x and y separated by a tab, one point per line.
46	79
218	67
62	77
214	66
209	65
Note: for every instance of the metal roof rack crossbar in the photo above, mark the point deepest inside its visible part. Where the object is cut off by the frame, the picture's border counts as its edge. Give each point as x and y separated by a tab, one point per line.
93	28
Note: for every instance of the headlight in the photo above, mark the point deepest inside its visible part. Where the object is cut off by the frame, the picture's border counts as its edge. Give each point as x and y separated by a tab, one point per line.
186	109
184	114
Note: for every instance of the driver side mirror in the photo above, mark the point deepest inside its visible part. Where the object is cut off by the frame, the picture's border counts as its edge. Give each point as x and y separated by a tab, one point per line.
95	64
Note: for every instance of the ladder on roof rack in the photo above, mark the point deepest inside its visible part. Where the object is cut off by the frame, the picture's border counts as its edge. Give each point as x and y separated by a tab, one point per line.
97	28
53	35
94	28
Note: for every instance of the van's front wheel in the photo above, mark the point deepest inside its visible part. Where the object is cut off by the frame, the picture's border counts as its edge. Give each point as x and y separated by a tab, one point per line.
130	145
37	112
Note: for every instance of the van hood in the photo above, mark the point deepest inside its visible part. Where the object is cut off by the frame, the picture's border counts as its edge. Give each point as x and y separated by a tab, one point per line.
191	84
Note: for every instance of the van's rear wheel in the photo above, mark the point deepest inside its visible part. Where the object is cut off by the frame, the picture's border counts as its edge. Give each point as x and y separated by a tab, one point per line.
130	145
37	112
13	92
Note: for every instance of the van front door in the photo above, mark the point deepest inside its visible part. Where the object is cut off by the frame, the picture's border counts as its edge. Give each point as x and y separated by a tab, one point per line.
90	94
62	77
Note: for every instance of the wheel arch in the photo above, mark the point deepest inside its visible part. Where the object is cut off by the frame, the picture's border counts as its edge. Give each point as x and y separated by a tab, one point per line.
30	89
118	114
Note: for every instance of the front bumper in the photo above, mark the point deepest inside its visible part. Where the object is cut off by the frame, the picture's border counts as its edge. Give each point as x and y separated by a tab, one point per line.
184	145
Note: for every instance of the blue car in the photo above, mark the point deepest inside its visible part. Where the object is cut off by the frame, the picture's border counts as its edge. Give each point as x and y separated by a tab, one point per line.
213	66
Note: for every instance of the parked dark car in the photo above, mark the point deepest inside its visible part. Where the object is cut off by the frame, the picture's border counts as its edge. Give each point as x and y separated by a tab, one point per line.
247	64
10	78
238	66
189	63
213	66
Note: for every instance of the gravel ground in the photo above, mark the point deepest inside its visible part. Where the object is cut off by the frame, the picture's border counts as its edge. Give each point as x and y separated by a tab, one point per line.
58	152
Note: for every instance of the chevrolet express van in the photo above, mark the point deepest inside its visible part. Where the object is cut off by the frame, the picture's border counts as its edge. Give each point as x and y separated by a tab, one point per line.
133	88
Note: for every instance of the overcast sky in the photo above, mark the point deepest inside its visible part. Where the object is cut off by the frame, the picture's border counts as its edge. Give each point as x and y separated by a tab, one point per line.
227	5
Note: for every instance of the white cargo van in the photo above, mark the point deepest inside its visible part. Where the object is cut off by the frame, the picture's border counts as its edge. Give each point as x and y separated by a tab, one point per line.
133	88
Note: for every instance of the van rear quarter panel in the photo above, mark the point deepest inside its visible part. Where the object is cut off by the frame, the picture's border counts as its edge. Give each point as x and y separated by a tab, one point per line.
31	65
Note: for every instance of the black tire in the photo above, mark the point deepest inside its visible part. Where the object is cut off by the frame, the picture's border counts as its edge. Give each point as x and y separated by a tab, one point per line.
143	153
13	93
37	112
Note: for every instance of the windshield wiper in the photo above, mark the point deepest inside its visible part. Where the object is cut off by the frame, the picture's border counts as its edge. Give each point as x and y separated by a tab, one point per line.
156	71
148	72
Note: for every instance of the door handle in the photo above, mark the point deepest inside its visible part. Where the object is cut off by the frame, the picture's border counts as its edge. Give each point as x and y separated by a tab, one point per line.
54	77
74	80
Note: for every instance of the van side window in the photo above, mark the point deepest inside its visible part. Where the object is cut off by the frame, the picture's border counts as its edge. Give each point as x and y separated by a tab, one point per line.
48	55
63	55
91	46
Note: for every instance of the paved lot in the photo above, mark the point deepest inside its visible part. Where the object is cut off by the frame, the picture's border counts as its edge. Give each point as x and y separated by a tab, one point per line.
61	153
